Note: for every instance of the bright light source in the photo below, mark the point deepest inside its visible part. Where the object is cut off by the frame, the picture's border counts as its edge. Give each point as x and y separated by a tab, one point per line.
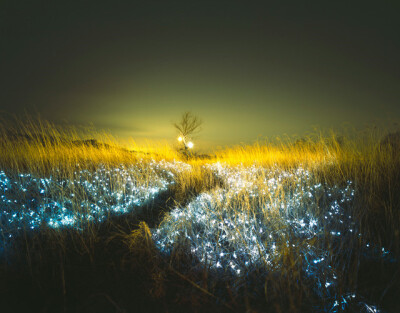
190	145
180	138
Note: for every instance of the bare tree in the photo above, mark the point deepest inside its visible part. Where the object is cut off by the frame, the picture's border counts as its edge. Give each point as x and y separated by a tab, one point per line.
188	126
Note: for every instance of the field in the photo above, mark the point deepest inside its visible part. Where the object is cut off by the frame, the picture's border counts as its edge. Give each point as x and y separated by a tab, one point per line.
311	225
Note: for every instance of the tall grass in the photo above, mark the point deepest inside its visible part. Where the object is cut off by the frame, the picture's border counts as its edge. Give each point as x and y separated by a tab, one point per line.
266	199
361	158
38	146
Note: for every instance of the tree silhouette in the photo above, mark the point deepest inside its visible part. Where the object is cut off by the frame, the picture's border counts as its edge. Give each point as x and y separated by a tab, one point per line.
188	125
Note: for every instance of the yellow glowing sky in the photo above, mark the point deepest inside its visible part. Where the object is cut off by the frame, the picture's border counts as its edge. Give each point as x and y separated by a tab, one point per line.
249	71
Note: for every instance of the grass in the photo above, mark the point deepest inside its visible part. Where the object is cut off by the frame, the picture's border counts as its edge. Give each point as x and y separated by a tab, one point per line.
293	226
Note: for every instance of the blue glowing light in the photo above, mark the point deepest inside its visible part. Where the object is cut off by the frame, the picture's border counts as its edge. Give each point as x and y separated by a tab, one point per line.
245	225
29	202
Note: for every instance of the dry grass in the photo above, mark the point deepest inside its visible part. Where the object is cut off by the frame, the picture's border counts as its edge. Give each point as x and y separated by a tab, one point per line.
360	158
43	149
37	146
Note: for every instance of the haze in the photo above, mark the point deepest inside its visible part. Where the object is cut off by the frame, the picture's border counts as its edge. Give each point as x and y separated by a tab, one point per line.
249	70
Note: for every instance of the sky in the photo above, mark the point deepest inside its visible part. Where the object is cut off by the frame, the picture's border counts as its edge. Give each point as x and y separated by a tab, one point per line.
249	70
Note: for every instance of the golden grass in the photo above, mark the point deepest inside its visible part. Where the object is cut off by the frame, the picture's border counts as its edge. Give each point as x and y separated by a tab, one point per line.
40	147
37	146
360	158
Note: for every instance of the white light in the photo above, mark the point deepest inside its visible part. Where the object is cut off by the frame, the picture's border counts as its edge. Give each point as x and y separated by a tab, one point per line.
180	138
190	145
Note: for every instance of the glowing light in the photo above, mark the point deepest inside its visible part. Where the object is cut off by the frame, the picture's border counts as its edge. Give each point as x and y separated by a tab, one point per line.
27	201
190	145
287	209
240	239
180	138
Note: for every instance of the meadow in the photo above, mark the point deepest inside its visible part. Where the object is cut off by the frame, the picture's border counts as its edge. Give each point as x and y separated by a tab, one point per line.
307	225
